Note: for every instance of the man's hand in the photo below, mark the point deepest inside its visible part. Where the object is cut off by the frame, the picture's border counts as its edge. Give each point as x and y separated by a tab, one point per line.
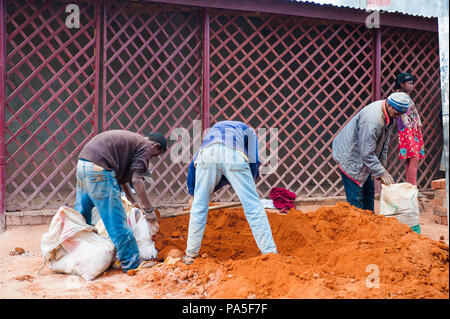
138	205
152	214
154	217
386	178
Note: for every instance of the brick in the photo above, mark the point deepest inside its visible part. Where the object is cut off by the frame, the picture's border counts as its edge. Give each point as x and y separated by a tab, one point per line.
438	184
13	220
31	220
441	220
47	220
440	193
440	211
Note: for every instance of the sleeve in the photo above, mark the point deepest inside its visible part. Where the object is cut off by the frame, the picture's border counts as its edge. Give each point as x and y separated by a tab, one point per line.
139	163
369	133
384	151
191	178
251	145
222	182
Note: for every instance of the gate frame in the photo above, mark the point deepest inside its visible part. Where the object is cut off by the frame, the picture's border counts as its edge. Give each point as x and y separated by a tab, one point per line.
290	8
2	115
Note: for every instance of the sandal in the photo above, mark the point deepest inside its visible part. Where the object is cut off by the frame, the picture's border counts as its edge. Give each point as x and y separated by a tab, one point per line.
188	260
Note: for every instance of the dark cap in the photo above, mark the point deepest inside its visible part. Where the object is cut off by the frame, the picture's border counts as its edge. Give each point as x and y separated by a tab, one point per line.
403	77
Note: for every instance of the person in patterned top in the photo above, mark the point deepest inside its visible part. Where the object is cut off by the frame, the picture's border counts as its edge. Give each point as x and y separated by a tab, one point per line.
410	140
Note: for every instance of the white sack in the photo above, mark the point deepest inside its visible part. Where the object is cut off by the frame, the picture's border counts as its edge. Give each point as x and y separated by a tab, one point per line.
400	201
142	231
73	247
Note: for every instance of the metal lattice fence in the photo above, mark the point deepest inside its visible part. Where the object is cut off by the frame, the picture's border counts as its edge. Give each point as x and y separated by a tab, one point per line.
152	78
50	98
304	77
416	52
140	67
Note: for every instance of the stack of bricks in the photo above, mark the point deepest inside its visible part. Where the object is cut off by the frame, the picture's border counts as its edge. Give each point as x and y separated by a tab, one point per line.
439	202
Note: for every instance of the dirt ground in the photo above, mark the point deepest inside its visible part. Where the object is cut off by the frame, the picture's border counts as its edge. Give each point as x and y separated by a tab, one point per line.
328	252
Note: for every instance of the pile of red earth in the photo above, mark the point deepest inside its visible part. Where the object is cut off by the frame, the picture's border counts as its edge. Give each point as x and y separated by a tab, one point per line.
334	252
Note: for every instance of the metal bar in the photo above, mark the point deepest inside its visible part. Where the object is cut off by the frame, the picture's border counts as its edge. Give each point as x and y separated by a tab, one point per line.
2	114
161	49
168	60
311	11
76	150
288	79
377	64
98	23
423	61
206	112
376	88
320	135
36	32
105	57
55	151
42	125
44	63
131	38
47	41
50	100
157	93
443	58
62	87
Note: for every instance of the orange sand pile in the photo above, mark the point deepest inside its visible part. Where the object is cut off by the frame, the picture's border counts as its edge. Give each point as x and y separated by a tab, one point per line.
335	252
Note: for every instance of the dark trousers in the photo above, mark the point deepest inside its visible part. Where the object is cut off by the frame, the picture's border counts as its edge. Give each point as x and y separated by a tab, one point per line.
360	196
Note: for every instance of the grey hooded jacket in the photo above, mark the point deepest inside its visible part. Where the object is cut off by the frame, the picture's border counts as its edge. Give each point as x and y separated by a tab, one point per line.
361	146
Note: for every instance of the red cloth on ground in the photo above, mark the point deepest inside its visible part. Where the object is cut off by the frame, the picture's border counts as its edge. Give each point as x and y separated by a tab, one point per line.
282	199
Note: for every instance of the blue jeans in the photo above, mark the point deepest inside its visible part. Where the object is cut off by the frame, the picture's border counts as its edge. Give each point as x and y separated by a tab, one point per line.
214	162
360	196
99	188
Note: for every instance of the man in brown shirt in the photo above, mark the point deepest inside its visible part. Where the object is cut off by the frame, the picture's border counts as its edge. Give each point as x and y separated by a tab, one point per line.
110	159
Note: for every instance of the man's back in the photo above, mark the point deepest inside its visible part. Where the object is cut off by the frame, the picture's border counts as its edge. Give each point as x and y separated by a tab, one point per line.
364	135
121	151
236	135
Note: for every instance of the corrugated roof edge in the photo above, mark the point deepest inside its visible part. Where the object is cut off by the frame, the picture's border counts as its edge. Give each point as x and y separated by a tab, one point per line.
363	8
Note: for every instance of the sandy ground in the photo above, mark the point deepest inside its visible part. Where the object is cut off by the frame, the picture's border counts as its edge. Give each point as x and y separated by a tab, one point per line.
19	277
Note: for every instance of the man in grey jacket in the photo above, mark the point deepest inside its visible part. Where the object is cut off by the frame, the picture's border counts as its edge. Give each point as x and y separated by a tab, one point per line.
360	148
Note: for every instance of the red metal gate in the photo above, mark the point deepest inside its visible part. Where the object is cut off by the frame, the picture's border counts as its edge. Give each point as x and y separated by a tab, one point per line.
152	79
145	71
417	52
49	103
305	77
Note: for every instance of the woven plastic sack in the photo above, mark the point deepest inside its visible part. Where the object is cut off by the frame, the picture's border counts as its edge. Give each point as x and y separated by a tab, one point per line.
142	231
73	247
400	201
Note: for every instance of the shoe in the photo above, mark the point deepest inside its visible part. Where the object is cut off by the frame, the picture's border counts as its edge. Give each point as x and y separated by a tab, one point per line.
188	260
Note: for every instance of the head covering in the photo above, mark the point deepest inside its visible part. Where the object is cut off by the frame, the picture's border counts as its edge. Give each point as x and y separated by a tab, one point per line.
399	101
403	77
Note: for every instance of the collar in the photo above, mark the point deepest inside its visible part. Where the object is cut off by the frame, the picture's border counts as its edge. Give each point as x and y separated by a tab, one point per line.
386	115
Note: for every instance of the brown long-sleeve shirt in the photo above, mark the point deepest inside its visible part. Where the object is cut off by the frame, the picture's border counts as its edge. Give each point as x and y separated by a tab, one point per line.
124	152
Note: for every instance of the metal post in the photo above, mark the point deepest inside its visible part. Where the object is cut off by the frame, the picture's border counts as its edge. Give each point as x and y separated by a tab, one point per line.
98	32
2	115
443	52
205	76
376	87
377	64
106	7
